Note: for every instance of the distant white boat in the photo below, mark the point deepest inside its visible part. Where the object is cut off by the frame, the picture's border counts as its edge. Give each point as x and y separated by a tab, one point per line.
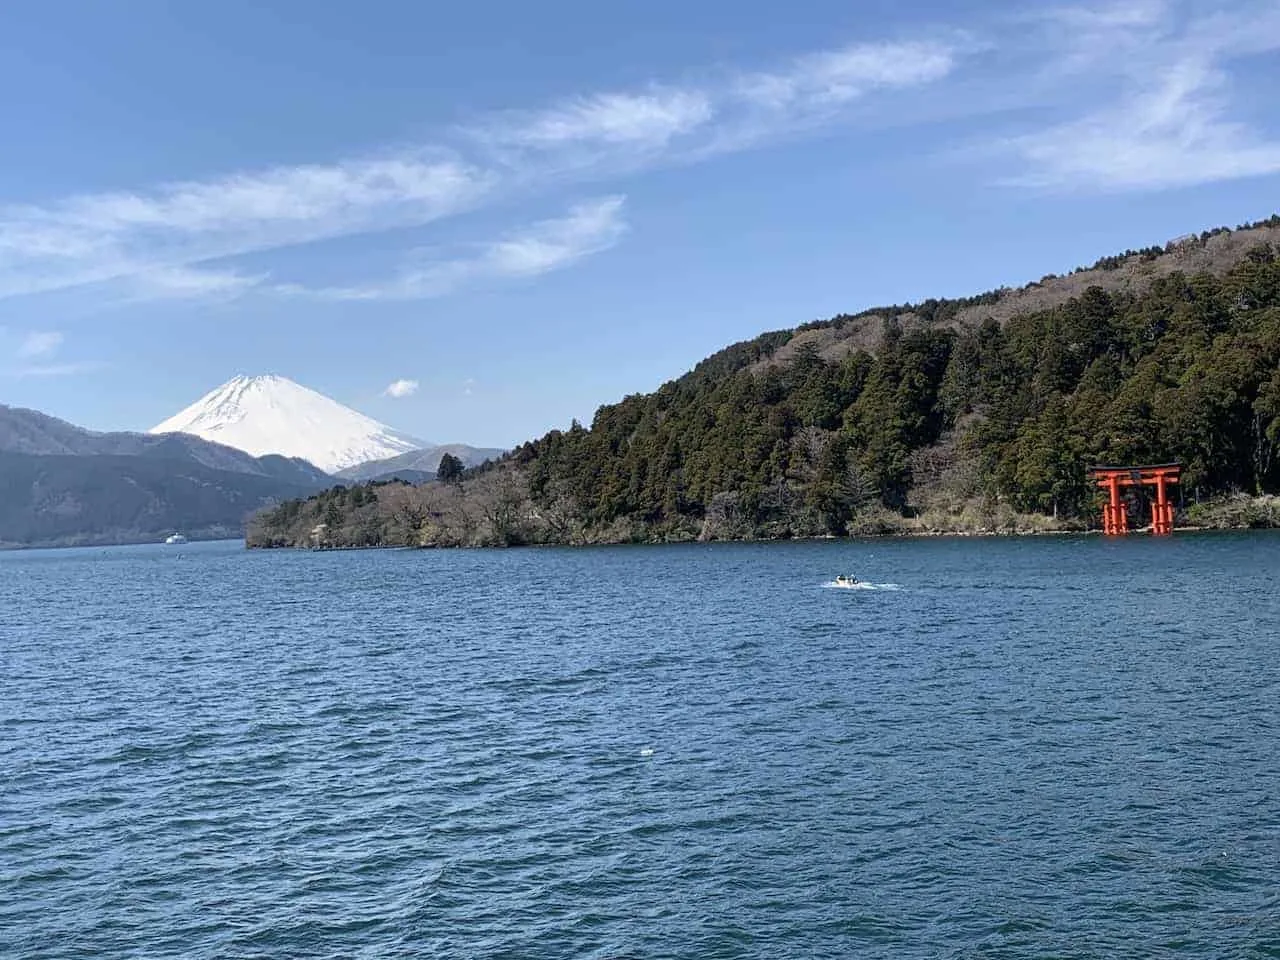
175	538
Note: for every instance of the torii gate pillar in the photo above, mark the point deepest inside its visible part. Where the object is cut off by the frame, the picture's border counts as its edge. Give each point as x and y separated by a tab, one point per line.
1115	518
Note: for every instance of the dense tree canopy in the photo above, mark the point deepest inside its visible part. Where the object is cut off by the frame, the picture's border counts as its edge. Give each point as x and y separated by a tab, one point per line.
774	437
450	469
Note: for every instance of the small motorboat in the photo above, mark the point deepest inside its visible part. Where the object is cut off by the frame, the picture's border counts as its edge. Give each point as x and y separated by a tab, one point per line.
843	581
175	538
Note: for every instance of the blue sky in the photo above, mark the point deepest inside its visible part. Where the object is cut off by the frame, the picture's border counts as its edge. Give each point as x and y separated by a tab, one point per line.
478	221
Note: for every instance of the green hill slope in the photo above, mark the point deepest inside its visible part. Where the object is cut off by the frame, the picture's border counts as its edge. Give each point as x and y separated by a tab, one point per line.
981	413
62	484
58	500
417	465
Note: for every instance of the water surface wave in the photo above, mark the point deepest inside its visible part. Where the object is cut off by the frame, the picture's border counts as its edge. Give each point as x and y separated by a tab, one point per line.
1048	747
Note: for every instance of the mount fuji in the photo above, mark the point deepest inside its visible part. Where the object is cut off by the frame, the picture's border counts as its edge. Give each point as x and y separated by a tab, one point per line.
271	414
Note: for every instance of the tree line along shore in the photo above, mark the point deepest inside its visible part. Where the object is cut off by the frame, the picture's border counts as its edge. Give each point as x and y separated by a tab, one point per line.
975	415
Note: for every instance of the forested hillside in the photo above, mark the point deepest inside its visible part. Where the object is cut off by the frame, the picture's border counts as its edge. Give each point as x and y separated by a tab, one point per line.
61	484
952	415
417	465
83	500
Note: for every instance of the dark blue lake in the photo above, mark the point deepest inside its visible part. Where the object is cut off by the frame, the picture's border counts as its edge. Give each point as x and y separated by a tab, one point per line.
1048	747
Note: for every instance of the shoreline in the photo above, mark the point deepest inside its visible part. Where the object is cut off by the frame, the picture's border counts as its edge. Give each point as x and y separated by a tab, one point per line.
1142	533
1240	513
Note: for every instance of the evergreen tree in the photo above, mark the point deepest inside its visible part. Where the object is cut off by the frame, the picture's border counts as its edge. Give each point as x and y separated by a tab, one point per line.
450	469
798	432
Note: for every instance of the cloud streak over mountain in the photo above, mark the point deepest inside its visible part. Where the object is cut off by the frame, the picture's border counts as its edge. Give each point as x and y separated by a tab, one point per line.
587	228
401	388
1173	116
1133	96
40	344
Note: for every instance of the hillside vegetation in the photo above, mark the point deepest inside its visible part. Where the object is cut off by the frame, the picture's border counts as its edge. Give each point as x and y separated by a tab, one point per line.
109	498
980	414
417	466
63	485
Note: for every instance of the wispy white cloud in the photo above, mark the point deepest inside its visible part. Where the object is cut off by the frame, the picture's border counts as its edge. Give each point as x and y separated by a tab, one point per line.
56	369
156	235
36	356
1118	14
1127	95
401	388
732	111
158	241
608	118
1173	132
40	344
1169	117
589	227
185	283
837	76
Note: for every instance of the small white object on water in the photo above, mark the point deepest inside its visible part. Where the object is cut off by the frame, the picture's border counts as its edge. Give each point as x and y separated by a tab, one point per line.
646	751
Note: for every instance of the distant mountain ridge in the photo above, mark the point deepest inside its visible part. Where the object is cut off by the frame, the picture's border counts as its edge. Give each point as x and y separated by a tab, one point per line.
60	500
32	432
271	414
61	484
418	465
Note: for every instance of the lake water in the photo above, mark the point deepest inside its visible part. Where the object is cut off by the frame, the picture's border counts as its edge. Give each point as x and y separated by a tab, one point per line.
1013	748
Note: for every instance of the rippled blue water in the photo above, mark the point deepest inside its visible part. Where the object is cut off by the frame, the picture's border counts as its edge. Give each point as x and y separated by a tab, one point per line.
1036	747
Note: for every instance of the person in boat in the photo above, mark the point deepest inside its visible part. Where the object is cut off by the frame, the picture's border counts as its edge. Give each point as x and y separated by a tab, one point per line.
846	581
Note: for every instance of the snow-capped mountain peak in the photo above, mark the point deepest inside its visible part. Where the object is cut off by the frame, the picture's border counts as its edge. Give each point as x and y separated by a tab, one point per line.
273	414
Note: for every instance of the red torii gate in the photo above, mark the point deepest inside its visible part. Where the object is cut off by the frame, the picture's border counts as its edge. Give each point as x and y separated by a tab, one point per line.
1115	519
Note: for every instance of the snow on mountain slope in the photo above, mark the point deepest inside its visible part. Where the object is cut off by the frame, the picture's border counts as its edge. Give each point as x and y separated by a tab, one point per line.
271	414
